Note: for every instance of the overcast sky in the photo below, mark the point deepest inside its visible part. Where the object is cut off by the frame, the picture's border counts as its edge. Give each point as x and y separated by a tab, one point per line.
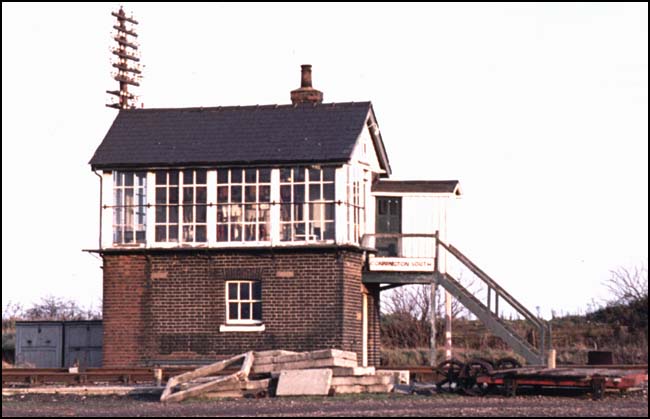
540	110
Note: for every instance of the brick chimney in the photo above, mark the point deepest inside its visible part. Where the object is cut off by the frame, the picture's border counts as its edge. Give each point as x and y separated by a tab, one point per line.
306	93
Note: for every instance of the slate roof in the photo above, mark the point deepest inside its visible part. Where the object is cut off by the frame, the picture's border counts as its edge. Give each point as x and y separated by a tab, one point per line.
272	134
417	186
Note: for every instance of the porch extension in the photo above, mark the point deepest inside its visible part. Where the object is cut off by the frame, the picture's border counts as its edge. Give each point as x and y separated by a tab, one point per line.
405	259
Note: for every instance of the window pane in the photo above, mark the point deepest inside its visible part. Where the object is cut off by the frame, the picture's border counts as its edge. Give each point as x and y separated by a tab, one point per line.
264	175
188	176
118	178
232	291
245	311
249	232
285	175
161	177
222	194
222	232
257	311
235	176
201	213
161	235
233	311
201	234
173	233
328	192
173	195
128	178
188	234
188	195
222	176
298	193
251	175
314	175
257	290
187	214
285	193
285	212
173	177
244	291
329	231
235	233
299	212
235	193
285	232
201	176
328	174
222	213
161	195
264	232
235	213
251	194
161	214
201	195
265	194
329	211
173	215
314	192
299	174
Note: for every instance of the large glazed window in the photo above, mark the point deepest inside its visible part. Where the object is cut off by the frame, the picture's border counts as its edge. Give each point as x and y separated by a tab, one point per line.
244	302
129	212
356	202
181	206
243	205
307	204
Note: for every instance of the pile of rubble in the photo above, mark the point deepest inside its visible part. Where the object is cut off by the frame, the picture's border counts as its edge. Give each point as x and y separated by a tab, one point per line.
284	373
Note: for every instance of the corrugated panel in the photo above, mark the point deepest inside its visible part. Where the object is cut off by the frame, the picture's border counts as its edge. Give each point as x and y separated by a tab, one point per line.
39	344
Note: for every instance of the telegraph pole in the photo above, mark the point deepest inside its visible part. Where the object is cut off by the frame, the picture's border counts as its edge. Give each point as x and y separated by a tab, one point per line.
127	61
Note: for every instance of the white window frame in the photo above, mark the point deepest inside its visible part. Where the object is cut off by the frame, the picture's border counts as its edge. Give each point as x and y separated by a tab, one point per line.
229	205
129	211
239	301
307	203
180	203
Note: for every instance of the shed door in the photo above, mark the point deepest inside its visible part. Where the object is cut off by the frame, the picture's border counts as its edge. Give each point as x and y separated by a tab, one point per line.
389	220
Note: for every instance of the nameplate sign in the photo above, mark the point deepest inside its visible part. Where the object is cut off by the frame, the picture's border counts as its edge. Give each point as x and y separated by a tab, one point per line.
401	264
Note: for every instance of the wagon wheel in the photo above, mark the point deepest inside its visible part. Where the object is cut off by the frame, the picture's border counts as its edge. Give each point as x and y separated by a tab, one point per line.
469	375
450	371
507	363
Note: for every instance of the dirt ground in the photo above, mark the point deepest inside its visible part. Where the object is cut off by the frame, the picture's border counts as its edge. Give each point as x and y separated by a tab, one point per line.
633	404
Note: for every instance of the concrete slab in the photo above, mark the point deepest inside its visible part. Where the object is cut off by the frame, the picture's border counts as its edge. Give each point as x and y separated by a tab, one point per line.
304	383
401	376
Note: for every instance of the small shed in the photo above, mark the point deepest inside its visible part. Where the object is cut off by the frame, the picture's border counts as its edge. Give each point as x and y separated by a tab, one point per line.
59	344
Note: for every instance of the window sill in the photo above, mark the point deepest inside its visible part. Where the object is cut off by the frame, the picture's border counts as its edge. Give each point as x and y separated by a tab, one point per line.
242	328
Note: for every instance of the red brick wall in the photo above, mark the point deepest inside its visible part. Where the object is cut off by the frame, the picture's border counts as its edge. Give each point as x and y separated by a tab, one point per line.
168	306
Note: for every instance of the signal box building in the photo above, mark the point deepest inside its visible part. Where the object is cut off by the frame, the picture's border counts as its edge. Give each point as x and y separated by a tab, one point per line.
230	229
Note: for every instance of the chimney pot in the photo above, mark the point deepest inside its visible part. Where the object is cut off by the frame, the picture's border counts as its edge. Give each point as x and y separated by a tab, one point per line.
306	75
306	93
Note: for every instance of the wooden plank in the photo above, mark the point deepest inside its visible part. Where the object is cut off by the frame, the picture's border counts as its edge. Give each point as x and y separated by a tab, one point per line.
83	391
200	389
305	356
311	364
199	372
247	365
276	352
231	394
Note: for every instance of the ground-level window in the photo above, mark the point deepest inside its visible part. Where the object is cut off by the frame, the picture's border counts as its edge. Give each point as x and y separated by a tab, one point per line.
129	212
244	302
